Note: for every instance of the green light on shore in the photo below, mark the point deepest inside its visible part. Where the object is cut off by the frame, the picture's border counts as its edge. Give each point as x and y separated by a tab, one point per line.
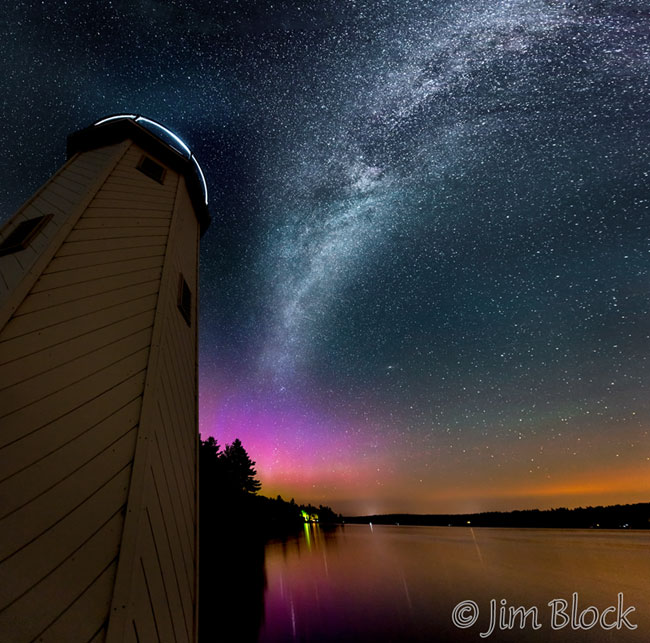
308	517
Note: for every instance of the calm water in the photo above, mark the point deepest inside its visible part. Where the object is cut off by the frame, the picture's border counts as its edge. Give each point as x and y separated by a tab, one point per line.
393	583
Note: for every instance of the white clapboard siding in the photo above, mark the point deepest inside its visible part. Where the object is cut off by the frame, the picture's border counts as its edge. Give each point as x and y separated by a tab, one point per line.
126	213
56	280
32	563
44	298
45	440
75	351
85	618
143	186
59	264
59	197
78	571
163	527
45	411
57	507
23	345
98	410
18	489
70	373
28	322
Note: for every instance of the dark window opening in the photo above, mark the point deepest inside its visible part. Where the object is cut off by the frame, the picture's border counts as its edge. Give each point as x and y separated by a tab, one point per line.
23	234
152	169
185	300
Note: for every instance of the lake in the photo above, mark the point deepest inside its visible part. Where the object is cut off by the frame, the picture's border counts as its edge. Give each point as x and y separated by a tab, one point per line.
402	583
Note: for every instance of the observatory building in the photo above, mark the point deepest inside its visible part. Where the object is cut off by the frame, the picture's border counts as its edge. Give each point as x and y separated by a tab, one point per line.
98	393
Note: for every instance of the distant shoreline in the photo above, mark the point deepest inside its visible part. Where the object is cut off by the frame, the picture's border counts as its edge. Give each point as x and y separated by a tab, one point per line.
633	516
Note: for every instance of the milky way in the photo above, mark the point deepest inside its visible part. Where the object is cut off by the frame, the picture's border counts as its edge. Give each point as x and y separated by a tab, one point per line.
426	283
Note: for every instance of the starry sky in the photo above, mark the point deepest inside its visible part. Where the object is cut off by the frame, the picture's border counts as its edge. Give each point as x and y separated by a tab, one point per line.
425	287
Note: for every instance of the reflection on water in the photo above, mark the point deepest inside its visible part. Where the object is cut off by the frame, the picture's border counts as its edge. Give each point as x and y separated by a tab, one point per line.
395	583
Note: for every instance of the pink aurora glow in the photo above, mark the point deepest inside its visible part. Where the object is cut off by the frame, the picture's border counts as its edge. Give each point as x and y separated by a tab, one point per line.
301	450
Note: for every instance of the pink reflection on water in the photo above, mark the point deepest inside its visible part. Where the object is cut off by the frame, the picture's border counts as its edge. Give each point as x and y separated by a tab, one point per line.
389	584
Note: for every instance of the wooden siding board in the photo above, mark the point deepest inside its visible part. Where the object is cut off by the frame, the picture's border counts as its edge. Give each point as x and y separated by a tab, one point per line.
100	637
180	380
126	189
62	503
28	322
128	169
65	215
119	222
52	205
168	481
67	278
26	257
170	567
138	181
44	439
63	588
72	373
85	619
184	339
38	244
81	173
174	430
41	413
177	402
143	614
157	587
157	503
46	555
123	184
62	294
177	378
170	426
42	473
74	183
117	238
13	348
12	270
40	361
94	160
150	213
59	264
130	204
61	195
162	464
180	388
182	551
29	211
154	232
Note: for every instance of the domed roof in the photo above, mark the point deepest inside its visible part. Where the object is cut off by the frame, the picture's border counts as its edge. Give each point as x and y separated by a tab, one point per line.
158	141
166	135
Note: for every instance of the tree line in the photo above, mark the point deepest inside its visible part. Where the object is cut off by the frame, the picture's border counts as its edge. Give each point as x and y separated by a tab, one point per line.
634	516
229	490
235	522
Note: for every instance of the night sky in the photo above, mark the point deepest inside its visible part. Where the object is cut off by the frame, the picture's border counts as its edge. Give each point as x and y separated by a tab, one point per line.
425	287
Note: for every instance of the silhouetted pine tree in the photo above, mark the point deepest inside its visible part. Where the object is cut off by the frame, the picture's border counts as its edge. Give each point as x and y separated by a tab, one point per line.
239	468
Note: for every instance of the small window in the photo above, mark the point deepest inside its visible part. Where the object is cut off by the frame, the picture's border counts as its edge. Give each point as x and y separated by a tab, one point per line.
185	300
23	234
151	169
